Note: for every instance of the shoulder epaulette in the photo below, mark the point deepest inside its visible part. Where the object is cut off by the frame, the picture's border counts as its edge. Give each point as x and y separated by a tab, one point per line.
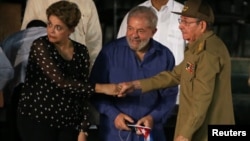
200	47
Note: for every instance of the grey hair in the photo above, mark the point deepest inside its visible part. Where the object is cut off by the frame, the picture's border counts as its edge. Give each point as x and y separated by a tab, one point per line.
146	12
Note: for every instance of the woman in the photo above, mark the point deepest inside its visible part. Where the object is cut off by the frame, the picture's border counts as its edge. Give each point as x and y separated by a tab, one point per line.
56	85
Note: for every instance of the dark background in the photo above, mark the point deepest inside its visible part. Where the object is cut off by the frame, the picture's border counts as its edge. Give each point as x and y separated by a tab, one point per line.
232	18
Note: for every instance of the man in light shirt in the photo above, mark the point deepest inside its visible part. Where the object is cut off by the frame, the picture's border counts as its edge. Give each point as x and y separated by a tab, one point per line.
17	48
87	32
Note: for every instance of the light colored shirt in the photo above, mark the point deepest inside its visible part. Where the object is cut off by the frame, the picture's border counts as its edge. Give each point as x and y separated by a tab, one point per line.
17	48
88	30
168	32
6	70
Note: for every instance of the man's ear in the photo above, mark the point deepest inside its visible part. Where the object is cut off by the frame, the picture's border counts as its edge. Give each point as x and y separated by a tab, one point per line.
203	26
154	31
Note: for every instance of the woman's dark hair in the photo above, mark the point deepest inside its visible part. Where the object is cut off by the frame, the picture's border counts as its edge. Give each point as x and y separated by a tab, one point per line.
67	12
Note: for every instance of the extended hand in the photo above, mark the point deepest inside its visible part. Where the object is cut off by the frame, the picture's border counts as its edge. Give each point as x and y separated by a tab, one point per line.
108	89
125	88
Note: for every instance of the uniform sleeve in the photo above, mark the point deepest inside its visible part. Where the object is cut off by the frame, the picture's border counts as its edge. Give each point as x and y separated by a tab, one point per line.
162	80
203	88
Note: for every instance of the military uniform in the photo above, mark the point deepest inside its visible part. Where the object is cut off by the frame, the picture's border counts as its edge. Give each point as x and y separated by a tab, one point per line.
205	92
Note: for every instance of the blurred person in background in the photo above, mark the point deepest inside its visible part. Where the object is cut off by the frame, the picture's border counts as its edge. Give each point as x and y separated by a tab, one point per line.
6	73
17	48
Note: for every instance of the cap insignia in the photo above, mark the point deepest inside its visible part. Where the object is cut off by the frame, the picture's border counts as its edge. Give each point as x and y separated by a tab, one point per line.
185	8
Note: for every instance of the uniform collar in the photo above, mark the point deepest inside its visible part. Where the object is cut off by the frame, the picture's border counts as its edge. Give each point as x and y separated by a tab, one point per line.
199	44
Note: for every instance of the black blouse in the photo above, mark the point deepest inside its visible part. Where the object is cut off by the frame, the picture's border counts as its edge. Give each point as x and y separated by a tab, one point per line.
55	89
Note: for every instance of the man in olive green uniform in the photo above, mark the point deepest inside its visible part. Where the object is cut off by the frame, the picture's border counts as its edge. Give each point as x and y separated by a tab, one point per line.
204	76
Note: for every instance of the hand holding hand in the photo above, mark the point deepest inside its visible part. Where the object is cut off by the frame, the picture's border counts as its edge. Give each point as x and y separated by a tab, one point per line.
125	88
119	90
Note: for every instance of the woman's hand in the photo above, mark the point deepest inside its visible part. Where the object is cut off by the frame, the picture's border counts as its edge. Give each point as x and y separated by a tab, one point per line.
82	136
108	89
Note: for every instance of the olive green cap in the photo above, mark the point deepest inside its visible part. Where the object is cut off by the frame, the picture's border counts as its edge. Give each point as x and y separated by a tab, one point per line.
197	9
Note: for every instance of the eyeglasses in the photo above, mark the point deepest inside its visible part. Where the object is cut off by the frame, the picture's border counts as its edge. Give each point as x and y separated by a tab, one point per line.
184	22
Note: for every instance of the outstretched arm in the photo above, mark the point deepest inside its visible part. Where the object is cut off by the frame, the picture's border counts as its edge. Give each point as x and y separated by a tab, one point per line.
128	87
108	89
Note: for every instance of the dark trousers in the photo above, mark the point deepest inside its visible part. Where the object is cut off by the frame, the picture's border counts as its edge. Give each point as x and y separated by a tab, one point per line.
30	130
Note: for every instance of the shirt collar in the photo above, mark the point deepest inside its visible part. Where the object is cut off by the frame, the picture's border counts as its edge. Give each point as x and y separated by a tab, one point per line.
169	4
